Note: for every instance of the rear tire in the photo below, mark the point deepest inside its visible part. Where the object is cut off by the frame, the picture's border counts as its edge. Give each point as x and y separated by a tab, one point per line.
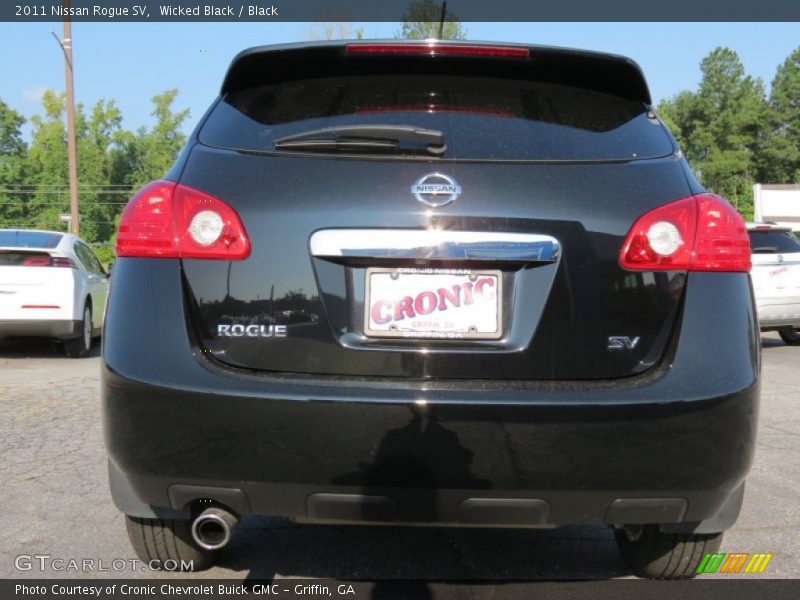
656	555
80	347
790	336
167	544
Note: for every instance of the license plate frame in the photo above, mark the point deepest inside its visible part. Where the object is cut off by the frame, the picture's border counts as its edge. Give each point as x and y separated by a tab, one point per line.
437	274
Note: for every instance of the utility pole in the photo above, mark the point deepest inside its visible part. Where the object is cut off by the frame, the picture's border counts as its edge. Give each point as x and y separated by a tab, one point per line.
66	47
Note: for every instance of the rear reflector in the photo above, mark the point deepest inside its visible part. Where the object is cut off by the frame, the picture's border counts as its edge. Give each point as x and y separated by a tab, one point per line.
168	220
698	233
437	49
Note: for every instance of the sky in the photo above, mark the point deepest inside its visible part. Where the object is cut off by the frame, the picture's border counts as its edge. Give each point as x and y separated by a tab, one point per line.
131	62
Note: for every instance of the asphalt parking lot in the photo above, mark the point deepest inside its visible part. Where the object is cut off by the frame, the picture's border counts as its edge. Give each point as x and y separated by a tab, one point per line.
56	501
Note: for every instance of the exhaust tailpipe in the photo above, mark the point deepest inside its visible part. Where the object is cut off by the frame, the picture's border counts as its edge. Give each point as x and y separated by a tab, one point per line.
213	527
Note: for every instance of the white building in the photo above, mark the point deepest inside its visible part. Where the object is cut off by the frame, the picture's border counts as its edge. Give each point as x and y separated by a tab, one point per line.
777	202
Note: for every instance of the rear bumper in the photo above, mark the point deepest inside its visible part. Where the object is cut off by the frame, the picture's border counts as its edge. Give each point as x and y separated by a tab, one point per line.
50	328
671	446
778	312
478	463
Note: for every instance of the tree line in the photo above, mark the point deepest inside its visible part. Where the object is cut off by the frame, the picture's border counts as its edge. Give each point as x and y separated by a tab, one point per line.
112	163
733	133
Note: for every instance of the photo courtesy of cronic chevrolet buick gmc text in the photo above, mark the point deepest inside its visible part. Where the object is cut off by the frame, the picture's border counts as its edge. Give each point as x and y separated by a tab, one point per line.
434	283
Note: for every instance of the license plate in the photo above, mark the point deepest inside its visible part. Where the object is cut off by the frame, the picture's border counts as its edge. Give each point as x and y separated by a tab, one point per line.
433	303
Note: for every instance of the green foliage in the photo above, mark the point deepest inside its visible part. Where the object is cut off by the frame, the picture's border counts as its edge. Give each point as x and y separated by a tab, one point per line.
781	158
112	162
733	136
422	21
153	152
12	164
721	127
105	254
47	164
99	148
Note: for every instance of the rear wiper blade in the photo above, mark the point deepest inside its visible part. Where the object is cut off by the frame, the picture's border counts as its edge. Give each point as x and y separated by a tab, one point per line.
383	137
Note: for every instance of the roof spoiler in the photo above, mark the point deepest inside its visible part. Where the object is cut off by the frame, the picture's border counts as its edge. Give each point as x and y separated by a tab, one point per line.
607	73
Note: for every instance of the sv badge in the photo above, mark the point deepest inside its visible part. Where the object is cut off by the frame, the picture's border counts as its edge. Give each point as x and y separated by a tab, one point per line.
622	342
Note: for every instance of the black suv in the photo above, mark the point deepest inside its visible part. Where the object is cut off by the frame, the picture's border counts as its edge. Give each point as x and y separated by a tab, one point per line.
434	282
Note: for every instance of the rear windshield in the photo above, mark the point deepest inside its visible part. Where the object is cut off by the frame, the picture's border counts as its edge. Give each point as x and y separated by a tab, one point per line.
29	239
773	242
481	118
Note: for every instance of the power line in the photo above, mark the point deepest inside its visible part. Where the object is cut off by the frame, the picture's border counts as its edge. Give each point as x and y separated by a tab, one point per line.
62	186
49	203
22	225
35	192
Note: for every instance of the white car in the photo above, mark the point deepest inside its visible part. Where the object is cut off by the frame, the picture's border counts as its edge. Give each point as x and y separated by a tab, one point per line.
776	279
51	285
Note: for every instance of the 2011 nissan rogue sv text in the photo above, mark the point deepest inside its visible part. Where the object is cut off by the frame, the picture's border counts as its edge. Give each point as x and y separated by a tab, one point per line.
431	283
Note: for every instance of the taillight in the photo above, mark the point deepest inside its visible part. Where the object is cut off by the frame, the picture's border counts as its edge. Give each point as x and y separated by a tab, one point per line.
168	220
698	233
37	261
434	48
49	261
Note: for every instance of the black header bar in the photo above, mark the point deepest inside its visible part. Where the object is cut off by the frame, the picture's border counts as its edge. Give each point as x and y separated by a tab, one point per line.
394	10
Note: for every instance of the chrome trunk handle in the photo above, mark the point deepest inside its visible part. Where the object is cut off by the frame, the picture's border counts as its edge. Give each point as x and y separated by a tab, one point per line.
434	244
